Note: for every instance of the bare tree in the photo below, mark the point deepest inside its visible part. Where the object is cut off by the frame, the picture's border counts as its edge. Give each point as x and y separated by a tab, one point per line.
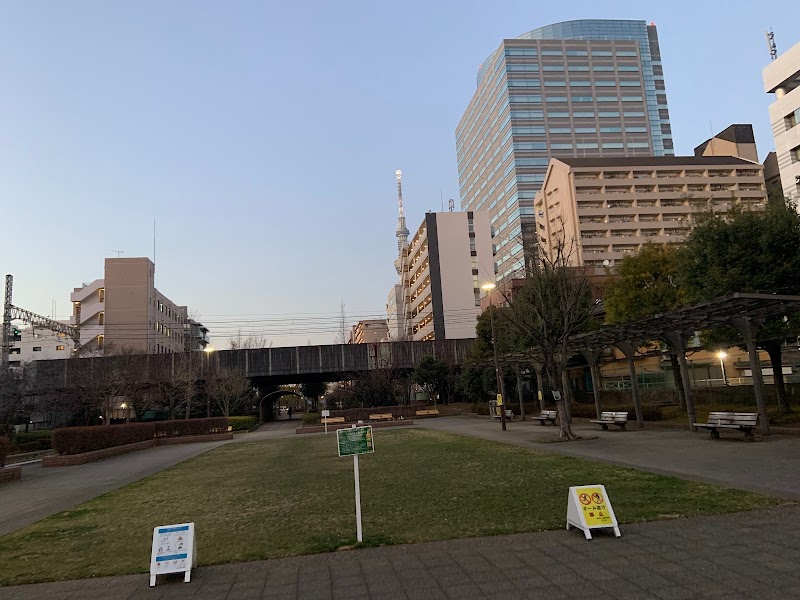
229	390
553	306
248	342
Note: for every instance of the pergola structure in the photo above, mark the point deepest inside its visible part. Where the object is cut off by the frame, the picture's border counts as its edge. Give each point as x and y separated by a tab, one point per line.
745	312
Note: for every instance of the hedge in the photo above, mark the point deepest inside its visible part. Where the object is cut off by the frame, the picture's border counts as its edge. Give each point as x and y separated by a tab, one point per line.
242	423
75	440
33	441
5	447
310	418
181	427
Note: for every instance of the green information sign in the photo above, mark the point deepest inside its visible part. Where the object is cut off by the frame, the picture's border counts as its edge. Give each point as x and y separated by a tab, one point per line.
357	440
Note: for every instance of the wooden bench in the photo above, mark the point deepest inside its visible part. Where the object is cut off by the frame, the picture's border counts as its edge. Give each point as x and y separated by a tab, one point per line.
330	420
428	413
381	417
620	419
546	416
745	422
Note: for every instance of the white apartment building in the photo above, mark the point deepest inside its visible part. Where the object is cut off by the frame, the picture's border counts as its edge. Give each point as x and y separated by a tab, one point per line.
395	315
782	78
448	260
37	343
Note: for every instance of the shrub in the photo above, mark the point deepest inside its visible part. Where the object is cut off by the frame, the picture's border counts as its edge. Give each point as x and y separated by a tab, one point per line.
310	418
181	427
242	423
34	441
5	447
75	440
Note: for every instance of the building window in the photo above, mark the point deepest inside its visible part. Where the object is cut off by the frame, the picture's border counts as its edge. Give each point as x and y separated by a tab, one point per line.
60	347
101	318
792	119
37	348
795	154
100	341
102	293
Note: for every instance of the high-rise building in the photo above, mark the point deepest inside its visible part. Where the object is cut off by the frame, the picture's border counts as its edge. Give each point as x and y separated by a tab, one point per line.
588	88
444	267
124	310
782	78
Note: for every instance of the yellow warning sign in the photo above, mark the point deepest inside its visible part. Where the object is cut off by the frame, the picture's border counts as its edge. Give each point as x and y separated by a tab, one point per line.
594	507
499	399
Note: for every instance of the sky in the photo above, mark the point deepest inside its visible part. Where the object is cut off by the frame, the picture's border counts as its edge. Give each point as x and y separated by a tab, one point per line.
262	138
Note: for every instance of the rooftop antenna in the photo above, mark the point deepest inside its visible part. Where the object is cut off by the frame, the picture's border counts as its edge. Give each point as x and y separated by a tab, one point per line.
441	199
773	49
451	205
402	231
119	252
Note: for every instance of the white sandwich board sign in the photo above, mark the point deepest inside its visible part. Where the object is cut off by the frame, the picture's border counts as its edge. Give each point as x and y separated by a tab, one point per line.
589	507
173	551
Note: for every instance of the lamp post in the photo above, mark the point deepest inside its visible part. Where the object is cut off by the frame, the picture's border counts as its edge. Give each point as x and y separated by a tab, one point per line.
489	287
722	355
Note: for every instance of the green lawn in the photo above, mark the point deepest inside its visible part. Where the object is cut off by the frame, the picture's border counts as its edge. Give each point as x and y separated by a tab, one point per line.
262	500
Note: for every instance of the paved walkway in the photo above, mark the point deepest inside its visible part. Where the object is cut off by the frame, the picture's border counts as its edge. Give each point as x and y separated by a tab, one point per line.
744	555
770	465
46	491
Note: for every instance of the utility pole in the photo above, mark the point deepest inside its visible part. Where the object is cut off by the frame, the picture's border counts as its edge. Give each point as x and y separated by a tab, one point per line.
6	348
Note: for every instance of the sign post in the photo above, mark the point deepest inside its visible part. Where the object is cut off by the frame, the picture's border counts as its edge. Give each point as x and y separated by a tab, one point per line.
589	507
325	415
355	441
173	551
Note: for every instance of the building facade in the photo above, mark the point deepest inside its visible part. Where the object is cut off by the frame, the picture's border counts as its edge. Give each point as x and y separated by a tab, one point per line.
589	88
604	209
782	78
125	311
37	343
369	331
445	265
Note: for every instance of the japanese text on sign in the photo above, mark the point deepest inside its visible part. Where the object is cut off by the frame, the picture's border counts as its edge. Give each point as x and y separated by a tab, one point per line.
357	440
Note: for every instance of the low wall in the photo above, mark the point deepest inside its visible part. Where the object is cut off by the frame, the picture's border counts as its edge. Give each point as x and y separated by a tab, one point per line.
335	426
9	474
67	460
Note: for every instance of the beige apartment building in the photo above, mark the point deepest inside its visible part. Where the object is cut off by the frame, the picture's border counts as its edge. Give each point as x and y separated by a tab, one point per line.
607	208
369	331
782	78
448	260
124	310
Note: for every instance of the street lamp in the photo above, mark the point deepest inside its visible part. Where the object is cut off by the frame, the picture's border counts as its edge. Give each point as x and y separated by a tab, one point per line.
489	287
722	356
125	414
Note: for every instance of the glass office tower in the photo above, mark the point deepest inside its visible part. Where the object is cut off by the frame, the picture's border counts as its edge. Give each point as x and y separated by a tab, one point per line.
574	89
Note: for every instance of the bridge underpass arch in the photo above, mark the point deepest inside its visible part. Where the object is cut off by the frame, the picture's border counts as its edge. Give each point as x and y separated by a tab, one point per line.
266	403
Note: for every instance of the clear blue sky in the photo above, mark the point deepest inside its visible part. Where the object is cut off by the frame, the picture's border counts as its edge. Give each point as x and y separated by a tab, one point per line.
263	137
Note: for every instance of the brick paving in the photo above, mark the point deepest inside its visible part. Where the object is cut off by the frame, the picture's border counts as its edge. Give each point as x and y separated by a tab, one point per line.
743	555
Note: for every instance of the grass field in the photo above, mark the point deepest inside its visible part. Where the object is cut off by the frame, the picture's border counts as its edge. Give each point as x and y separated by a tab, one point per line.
262	500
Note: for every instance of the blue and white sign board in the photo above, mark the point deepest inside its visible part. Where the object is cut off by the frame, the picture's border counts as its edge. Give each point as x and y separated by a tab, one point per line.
173	551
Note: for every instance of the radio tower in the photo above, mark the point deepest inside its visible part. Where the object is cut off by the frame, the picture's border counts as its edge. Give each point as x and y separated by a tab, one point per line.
402	230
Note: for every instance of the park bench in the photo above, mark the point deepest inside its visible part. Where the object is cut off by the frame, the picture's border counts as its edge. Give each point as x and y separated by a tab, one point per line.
509	414
428	413
745	422
330	420
381	417
547	416
620	419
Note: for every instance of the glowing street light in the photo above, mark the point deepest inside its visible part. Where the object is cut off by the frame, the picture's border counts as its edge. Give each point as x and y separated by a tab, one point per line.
722	356
488	287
